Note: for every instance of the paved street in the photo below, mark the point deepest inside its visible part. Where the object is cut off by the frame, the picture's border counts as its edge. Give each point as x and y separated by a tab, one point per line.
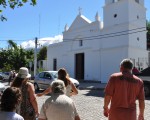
89	104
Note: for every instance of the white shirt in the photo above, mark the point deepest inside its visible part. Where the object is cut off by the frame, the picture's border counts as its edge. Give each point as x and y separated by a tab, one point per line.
58	107
10	116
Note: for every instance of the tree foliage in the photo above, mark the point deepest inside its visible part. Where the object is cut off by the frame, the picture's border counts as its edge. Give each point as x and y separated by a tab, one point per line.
13	4
148	31
15	57
42	55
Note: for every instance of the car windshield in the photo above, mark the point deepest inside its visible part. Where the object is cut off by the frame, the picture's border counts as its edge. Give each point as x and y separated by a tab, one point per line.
54	74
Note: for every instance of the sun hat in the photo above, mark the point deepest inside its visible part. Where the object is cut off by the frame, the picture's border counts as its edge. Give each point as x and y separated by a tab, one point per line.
23	73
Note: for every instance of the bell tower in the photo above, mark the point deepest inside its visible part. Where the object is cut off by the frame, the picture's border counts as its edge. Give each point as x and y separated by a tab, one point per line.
118	12
126	20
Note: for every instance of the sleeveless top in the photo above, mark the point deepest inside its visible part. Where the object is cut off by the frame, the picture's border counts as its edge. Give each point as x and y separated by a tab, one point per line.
26	108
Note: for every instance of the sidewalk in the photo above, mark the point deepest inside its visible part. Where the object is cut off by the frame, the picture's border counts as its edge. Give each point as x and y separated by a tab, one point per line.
92	85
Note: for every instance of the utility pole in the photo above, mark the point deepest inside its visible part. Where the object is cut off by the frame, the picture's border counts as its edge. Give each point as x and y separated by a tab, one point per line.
35	57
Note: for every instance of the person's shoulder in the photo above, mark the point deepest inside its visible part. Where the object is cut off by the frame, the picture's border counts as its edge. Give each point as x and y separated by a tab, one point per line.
137	78
65	97
62	98
115	75
30	84
18	117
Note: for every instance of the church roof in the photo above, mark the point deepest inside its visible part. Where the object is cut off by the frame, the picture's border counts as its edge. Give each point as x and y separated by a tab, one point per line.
80	21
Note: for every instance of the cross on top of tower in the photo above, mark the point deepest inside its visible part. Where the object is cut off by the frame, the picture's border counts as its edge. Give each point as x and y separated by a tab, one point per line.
80	10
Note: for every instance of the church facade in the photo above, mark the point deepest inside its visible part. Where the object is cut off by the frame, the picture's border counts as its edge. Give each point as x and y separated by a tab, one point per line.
93	50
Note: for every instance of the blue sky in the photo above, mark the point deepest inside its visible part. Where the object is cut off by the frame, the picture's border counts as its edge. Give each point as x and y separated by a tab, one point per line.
47	19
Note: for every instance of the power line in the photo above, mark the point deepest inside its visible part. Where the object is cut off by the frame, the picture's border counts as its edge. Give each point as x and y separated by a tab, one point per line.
107	35
70	40
97	36
110	33
101	37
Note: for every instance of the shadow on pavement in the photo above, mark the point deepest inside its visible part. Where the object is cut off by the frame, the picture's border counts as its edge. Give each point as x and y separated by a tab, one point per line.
147	98
96	93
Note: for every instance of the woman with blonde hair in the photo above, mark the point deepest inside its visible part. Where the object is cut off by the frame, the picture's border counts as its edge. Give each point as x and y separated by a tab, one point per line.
29	106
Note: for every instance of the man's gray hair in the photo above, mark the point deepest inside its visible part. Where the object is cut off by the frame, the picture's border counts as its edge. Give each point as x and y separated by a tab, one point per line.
58	86
127	63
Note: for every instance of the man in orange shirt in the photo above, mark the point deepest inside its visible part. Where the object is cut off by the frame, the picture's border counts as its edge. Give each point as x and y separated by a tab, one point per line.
122	90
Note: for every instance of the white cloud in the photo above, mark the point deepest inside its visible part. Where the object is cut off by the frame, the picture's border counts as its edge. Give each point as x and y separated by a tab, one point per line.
42	42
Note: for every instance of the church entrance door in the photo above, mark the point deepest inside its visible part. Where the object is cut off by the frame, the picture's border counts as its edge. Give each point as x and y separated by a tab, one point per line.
79	66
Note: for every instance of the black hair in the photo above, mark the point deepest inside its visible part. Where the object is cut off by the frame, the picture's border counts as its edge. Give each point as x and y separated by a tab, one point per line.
127	64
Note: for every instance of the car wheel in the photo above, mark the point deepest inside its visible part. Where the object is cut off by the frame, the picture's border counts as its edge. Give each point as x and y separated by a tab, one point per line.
36	87
147	90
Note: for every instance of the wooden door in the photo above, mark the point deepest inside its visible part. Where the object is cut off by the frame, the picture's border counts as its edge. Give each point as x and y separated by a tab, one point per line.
79	63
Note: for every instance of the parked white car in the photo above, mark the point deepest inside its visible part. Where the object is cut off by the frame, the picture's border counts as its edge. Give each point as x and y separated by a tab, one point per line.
44	79
4	76
145	76
2	88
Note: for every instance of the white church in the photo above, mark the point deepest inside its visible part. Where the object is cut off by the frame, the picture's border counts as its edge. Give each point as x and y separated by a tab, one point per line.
93	50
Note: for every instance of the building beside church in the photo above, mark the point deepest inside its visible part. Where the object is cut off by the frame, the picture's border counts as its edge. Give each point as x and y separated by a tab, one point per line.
93	50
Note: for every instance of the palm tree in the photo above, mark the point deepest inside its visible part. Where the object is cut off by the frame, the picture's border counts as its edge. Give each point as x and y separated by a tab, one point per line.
12	44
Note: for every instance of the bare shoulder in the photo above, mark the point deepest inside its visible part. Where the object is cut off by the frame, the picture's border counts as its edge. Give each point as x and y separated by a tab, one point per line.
138	79
30	85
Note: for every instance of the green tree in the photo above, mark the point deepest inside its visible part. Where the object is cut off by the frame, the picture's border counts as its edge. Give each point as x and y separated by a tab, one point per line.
12	44
148	34
15	57
13	4
148	31
42	55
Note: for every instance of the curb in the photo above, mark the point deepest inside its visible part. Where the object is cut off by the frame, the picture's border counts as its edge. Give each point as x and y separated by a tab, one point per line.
83	88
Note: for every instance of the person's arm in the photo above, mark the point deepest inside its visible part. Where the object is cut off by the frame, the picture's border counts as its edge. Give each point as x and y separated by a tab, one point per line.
48	90
141	110
41	119
74	89
107	100
77	117
33	99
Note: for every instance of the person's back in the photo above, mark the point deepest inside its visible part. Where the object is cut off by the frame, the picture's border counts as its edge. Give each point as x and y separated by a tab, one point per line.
58	106
126	90
121	92
28	106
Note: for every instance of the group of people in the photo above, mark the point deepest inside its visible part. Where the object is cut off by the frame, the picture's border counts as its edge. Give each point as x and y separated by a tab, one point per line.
19	102
121	92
